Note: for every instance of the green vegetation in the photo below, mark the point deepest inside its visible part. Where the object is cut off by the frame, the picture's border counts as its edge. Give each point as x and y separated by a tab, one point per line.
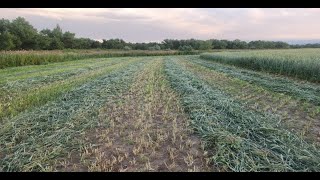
23	58
155	113
300	90
19	34
148	130
241	139
299	116
298	63
21	101
34	139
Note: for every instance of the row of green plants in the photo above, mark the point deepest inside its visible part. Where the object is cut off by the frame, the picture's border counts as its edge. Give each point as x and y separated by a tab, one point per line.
23	58
238	138
309	92
35	139
298	63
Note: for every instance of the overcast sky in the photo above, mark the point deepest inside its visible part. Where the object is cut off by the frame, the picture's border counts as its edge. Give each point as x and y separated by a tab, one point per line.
144	25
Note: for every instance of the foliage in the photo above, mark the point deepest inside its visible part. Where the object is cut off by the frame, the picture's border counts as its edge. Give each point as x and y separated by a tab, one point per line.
309	92
22	58
185	48
241	139
298	63
20	34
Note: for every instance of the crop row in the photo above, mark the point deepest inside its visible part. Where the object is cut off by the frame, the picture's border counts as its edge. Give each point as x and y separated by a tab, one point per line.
241	139
13	59
298	63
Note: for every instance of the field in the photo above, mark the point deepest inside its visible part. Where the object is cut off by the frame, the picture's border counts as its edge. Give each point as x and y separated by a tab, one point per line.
23	58
298	63
161	113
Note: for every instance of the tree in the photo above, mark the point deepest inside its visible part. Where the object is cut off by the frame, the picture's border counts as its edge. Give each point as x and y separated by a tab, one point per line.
95	44
4	25
20	34
57	32
82	43
56	44
113	44
219	44
185	48
155	48
25	33
127	48
47	32
68	39
205	45
7	41
237	44
44	42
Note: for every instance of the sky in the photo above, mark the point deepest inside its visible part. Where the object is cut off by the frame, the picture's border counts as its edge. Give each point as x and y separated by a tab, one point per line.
156	24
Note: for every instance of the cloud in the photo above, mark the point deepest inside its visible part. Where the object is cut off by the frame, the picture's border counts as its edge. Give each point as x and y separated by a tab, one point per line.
157	23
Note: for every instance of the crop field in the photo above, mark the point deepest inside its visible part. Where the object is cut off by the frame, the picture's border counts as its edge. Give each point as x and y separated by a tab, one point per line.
298	63
208	113
24	58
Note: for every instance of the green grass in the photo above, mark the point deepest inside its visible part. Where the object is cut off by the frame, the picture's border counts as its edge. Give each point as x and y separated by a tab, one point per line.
298	63
241	139
13	74
43	94
23	58
48	111
34	139
298	116
299	90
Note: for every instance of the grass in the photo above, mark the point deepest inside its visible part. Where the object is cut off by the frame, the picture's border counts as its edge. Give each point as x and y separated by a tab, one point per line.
298	63
170	113
43	94
242	139
34	139
14	74
305	91
299	116
23	58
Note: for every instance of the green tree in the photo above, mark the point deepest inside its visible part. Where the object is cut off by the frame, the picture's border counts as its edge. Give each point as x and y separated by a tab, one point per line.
127	48
205	45
4	25
219	44
68	40
185	48
47	32
155	48
95	44
6	41
113	44
25	33
56	44
57	32
44	42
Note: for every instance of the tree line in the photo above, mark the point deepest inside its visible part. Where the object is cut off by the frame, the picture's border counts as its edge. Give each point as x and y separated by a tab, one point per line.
19	34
